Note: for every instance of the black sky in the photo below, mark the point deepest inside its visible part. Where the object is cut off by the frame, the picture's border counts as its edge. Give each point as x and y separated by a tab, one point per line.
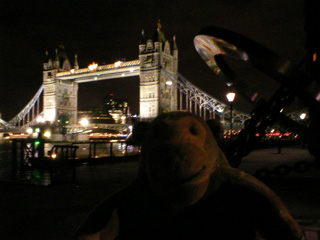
106	31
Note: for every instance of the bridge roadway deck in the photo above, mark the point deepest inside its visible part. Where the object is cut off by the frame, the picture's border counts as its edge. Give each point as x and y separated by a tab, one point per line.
54	212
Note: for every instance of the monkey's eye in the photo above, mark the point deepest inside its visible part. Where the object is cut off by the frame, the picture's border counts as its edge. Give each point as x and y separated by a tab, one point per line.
193	130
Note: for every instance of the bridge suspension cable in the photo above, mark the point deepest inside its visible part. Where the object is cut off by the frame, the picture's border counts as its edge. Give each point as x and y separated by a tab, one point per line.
29	113
4	124
201	103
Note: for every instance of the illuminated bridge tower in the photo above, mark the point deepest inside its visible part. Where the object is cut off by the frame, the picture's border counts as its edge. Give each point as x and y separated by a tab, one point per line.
59	97
158	92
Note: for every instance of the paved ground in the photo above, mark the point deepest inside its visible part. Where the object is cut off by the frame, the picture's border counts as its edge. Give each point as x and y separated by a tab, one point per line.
55	212
300	191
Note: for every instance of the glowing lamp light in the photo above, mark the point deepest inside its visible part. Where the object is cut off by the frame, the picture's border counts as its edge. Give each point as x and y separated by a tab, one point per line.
169	83
131	69
47	134
41	120
303	116
231	96
219	110
29	130
53	155
93	66
49	115
72	71
117	64
84	122
37	130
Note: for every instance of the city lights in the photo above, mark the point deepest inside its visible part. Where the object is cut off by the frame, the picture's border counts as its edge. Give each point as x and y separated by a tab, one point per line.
49	115
93	66
29	130
117	64
231	96
219	110
303	116
47	134
201	163
84	122
169	83
41	119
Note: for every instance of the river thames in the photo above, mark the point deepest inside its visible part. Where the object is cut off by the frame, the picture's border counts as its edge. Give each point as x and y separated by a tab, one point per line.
5	161
89	152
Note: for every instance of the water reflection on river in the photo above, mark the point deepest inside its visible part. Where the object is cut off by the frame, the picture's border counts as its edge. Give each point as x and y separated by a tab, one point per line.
5	161
97	150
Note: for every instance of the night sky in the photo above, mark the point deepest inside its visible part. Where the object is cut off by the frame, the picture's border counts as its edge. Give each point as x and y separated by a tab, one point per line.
108	31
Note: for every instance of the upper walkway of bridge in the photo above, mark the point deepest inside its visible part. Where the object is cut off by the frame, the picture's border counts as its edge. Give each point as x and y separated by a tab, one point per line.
95	73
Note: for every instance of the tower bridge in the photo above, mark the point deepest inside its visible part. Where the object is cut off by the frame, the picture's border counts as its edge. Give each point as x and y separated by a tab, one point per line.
162	87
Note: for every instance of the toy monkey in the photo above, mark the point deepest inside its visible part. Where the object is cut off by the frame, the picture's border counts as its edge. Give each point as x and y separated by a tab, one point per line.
185	189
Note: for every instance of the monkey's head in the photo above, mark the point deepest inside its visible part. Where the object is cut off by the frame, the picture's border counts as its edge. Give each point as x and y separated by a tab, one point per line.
179	157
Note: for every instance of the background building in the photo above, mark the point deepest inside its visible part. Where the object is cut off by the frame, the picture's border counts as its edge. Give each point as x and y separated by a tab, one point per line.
117	108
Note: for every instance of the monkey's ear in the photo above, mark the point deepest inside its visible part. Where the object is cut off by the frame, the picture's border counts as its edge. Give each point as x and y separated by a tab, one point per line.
216	128
140	131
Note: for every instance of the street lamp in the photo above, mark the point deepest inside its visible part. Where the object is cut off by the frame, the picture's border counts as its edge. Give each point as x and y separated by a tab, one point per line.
303	116
84	122
230	97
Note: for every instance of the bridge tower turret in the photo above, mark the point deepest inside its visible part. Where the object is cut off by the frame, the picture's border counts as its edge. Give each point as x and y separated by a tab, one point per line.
158	92
59	97
76	64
